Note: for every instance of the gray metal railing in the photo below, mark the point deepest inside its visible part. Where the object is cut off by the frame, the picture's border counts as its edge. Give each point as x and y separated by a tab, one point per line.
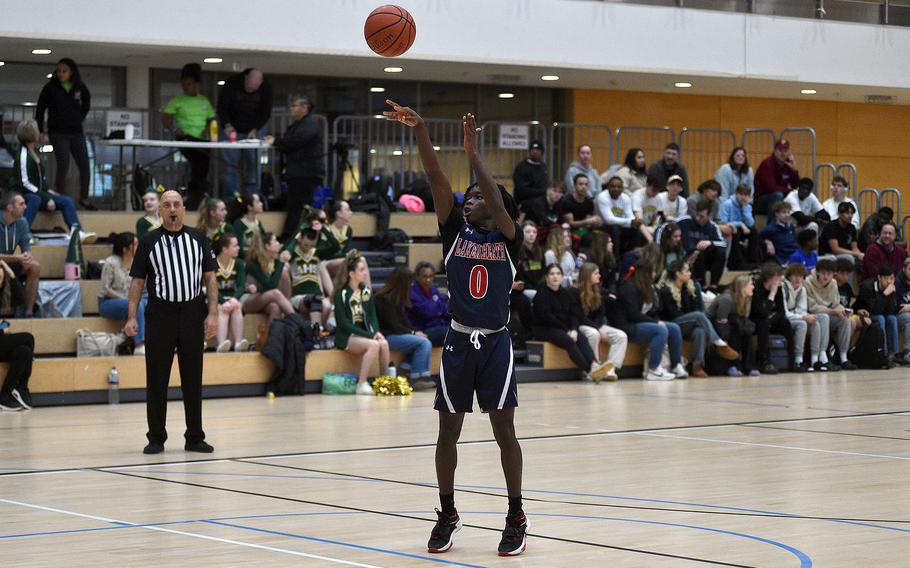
703	150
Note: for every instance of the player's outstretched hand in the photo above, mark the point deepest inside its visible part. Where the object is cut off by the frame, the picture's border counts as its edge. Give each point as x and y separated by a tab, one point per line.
404	115
470	133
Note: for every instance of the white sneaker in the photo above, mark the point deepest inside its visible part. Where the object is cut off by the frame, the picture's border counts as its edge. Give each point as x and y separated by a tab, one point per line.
600	371
139	350
87	238
659	374
224	346
242	346
679	371
611	376
364	388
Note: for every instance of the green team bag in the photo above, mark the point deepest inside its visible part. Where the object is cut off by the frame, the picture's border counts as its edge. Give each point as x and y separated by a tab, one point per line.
339	383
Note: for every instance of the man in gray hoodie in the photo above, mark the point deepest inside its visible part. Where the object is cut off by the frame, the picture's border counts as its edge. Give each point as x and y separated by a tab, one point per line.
583	165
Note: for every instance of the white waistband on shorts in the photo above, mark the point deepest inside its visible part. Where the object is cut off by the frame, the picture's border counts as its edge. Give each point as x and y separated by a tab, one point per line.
467	329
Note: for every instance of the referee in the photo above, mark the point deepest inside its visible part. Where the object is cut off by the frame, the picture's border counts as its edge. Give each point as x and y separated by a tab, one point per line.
176	262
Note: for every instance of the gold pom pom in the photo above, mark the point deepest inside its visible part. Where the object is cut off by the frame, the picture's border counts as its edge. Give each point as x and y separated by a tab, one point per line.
391	386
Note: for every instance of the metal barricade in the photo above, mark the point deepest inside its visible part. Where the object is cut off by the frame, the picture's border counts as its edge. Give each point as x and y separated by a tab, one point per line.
447	136
891	197
803	147
566	137
366	146
903	228
499	154
849	172
758	142
703	151
824	173
868	202
651	139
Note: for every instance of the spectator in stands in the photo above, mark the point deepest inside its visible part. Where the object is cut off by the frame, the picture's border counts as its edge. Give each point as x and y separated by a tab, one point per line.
113	293
151	220
391	302
710	190
594	324
530	179
357	328
700	234
304	168
545	210
672	205
29	180
636	302
230	276
775	178
769	316
678	304
577	208
649	252
844	272
805	254
729	314
879	297
601	254
429	311
737	213
244	108
838	238
779	234
825	300
559	252
873	226
308	276
883	252
530	261
557	315
192	113
669	166
273	280
615	210
243	217
735	173
646	206
583	165
903	310
839	190
805	207
17	350
66	100
633	173
337	238
16	235
796	308
212	215
671	247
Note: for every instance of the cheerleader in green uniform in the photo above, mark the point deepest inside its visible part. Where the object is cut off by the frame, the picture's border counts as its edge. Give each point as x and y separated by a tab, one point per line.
212	215
337	239
232	287
274	281
307	273
244	219
152	220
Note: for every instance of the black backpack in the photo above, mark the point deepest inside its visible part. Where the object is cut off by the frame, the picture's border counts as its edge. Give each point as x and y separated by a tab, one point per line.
869	351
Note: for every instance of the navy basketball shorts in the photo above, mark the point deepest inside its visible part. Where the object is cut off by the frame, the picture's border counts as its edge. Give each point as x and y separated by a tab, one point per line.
489	371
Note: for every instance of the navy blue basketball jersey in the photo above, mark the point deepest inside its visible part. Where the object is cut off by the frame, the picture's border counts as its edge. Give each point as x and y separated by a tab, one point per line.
480	271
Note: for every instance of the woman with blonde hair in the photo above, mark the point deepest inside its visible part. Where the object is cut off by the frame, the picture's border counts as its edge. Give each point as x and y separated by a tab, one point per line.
272	277
594	325
212	215
730	315
559	252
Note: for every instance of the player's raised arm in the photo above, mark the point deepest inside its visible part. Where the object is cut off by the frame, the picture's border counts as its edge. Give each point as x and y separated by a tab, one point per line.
485	181
439	183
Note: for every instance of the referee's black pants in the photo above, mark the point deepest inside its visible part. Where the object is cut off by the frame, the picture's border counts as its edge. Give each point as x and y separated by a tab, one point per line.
170	326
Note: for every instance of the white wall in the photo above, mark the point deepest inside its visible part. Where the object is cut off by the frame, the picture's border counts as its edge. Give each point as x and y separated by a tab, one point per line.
546	33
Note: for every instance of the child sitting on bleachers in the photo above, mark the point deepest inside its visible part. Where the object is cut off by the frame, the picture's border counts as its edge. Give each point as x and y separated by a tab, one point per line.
151	220
429	309
806	255
272	278
212	215
243	216
796	306
232	287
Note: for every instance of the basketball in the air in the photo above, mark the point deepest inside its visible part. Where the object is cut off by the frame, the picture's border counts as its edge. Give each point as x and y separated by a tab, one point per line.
390	30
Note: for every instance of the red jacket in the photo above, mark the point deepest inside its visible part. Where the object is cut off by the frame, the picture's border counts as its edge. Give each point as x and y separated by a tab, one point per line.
772	176
876	256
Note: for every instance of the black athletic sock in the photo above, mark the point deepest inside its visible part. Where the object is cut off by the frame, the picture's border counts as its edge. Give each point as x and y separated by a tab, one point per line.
514	505
447	502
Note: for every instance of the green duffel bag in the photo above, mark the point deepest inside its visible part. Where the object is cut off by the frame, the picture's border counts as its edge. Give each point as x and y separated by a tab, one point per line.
339	383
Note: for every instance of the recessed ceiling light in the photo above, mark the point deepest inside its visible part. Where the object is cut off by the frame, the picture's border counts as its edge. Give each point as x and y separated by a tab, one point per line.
506	95
393	69
372	150
221	82
378	116
377	89
683	85
212	60
2	63
29	104
41	52
808	91
397	152
46	148
535	122
49	75
437	148
549	77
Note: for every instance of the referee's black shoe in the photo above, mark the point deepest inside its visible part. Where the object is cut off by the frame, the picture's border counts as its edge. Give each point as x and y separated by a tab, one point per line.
514	536
153	448
445	529
199	446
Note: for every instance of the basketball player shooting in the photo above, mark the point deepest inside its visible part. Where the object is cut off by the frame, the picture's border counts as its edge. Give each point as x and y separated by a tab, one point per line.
479	245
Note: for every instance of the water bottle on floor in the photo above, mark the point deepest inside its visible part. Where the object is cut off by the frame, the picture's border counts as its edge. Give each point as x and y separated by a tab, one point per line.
392	371
113	386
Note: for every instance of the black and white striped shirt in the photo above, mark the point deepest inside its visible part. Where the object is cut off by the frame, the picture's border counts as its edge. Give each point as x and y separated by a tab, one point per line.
172	263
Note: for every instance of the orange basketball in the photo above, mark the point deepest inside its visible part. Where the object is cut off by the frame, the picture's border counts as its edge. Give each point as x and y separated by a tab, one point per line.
389	30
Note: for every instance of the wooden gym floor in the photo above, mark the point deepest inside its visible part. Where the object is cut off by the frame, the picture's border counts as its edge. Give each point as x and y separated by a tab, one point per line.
782	471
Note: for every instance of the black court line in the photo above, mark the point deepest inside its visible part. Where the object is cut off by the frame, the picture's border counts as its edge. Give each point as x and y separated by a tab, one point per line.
414	518
582	503
825	432
463	442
